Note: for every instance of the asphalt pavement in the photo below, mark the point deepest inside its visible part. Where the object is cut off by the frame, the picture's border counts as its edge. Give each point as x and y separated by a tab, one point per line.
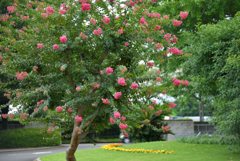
30	154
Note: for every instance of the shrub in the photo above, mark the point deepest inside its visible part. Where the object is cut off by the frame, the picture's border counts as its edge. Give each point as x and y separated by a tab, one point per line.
28	137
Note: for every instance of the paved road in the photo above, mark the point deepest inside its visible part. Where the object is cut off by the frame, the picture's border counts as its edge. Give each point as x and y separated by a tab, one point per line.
31	154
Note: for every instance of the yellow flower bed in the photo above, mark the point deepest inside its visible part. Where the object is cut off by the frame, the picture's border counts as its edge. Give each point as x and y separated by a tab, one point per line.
115	147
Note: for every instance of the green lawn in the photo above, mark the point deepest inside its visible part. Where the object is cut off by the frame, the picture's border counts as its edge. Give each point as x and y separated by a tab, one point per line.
183	152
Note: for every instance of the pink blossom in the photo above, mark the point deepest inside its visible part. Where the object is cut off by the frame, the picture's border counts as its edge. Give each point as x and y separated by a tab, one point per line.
176	82
126	44
23	115
29	5
117	114
177	23
123	126
78	119
85	6
59	109
4	116
134	86
98	31
167	36
63	5
43	138
55	47
93	21
96	86
78	89
159	46
150	64
174	40
158	72
122	82
123	70
0	57
165	129
146	121
109	70
6	48
175	51
172	105
112	121
19	94
153	0
45	108
49	10
82	35
101	72
132	3
106	20
151	107
69	109
11	9
5	17
142	21
117	95
62	11
105	101
63	39
185	83
35	68
157	27
36	110
166	17
21	75
164	92
49	130
158	79
120	31
183	15
117	17
40	46
123	118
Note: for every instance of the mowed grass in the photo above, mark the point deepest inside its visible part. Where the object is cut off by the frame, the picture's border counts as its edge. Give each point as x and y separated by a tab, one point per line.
183	152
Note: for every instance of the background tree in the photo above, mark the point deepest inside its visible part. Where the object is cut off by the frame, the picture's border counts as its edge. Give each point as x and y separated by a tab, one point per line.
79	61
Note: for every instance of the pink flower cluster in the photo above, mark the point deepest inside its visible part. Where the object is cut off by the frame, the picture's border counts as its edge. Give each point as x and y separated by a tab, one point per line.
63	39
11	9
148	121
29	5
19	94
123	126
50	10
35	68
45	15
185	82
165	129
157	27
105	20
40	102
123	70
112	121
153	14
59	109
120	31
175	51
151	107
96	86
158	113
123	118
36	110
69	109
49	130
176	81
159	46
164	92
134	86
55	47
10	116
126	44
21	75
183	15
78	119
109	70
172	105
82	35
62	11
117	95
105	101
158	79
167	36
93	21
122	82
40	46
98	31
85	6
150	64
174	39
143	21
117	114
45	108
177	23
78	89
24	115
158	72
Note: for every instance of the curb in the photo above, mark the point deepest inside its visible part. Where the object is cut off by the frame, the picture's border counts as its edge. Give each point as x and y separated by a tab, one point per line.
38	159
23	149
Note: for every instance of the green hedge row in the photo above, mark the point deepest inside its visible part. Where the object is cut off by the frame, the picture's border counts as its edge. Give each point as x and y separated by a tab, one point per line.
28	137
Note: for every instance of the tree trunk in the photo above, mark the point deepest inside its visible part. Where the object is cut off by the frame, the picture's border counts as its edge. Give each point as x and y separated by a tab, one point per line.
75	138
201	112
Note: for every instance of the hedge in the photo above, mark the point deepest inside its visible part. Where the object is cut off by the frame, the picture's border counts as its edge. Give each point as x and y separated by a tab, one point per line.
28	137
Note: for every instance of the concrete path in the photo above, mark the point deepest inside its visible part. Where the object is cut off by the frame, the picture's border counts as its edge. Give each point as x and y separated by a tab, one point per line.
30	154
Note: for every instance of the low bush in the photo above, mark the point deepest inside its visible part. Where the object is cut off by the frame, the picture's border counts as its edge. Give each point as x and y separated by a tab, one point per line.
28	137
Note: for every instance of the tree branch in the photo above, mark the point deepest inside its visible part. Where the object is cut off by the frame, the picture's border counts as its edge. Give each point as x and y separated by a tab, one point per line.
104	56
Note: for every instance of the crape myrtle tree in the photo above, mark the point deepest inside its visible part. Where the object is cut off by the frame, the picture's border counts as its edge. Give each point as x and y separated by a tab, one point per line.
79	61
